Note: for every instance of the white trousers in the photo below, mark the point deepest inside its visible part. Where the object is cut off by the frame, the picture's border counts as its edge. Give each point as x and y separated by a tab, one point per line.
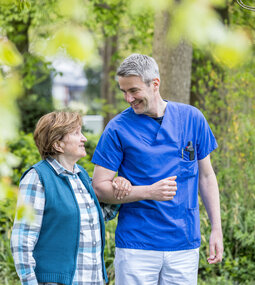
149	267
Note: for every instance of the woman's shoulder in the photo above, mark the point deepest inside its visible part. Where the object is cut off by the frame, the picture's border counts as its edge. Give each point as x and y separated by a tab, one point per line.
30	177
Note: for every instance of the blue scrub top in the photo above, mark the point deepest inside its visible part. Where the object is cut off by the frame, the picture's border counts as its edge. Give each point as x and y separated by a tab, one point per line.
144	152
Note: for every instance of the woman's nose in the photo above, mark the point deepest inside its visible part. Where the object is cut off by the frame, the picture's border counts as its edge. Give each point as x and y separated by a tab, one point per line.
83	138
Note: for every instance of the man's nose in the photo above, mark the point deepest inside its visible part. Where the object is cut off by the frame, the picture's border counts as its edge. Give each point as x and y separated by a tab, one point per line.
129	98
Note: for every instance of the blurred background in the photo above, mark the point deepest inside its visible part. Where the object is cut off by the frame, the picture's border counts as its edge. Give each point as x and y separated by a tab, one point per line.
57	54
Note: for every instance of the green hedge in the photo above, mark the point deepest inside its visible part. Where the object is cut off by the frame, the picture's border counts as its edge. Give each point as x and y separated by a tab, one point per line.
228	104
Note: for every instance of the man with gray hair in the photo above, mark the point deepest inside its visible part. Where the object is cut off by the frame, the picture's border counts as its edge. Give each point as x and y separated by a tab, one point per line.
157	145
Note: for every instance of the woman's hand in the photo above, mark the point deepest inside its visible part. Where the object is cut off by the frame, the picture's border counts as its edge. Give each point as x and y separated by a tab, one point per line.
121	187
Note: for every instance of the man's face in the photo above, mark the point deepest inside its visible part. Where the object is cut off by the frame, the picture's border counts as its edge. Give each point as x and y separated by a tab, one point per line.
139	95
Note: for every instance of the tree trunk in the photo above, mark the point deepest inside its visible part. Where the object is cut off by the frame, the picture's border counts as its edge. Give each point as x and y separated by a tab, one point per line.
108	77
174	62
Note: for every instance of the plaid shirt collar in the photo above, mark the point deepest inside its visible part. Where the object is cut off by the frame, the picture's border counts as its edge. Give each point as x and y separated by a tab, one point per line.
60	169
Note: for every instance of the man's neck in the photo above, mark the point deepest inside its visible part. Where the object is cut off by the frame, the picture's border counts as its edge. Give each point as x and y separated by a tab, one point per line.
159	109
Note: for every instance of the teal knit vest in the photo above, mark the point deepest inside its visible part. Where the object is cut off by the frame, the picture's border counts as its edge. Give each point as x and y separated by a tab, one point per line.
56	250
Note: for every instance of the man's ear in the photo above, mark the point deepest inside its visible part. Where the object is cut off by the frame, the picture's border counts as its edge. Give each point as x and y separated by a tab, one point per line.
156	83
58	146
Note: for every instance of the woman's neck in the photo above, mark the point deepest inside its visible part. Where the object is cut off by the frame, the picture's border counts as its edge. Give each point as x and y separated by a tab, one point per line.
66	162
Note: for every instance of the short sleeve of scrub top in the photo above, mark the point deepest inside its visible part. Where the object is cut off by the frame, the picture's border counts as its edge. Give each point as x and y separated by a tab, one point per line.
206	141
108	152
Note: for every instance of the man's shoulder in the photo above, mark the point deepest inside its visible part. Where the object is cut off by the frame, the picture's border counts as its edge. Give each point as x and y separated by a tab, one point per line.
121	118
187	110
183	106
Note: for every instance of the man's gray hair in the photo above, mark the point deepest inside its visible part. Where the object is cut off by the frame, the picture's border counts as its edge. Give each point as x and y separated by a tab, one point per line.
139	65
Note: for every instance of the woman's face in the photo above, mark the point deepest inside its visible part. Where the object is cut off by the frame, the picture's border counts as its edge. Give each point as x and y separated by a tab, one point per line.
73	144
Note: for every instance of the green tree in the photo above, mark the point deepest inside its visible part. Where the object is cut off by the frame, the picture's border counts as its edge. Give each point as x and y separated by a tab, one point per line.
116	39
174	61
35	73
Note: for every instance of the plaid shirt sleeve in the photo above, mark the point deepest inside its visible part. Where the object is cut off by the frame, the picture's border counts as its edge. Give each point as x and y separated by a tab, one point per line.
25	234
109	211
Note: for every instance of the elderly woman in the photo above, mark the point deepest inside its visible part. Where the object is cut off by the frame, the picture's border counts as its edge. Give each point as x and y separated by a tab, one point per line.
65	242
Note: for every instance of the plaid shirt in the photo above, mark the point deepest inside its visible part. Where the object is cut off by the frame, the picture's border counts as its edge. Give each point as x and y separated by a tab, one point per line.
25	235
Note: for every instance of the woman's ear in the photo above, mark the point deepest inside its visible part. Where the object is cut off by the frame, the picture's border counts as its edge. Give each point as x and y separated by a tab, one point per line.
59	146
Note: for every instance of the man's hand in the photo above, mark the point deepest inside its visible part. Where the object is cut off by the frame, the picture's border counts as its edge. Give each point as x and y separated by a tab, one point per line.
216	247
121	186
164	189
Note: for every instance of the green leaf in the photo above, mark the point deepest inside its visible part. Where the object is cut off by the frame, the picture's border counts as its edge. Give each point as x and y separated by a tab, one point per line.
74	41
9	55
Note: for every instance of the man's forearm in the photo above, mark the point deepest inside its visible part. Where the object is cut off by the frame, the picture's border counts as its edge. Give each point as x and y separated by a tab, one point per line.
210	195
163	190
105	193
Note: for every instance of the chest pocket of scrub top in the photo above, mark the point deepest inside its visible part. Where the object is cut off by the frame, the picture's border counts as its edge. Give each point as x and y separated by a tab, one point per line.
187	168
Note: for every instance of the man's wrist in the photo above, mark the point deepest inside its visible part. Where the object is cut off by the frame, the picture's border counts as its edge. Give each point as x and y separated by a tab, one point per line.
142	192
217	227
148	192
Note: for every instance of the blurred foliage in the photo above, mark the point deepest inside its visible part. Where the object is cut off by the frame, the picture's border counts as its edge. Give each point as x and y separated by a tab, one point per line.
199	23
32	108
10	89
34	72
25	149
109	251
9	55
8	274
227	99
76	42
92	91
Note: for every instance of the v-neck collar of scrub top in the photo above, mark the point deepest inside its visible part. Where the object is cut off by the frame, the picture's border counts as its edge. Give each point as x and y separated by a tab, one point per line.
169	130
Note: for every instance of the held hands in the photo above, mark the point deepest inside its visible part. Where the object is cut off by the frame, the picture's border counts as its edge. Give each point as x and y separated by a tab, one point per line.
121	187
164	189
